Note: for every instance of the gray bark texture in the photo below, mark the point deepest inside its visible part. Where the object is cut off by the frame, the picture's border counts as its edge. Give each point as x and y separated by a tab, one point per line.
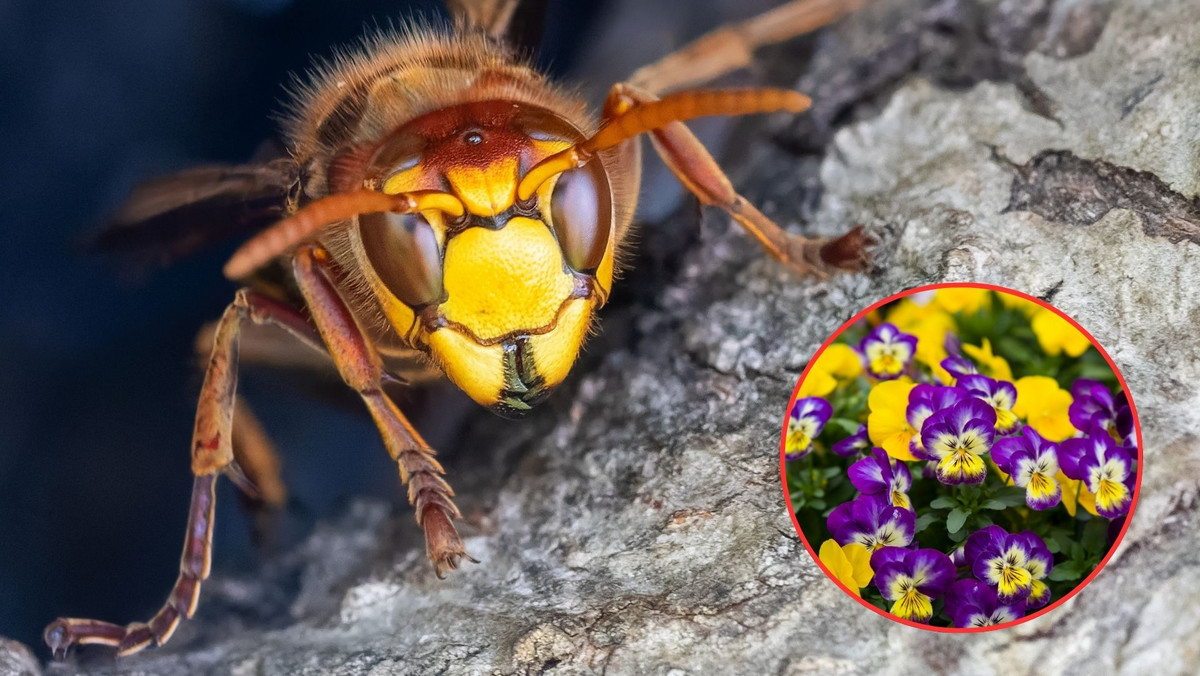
637	526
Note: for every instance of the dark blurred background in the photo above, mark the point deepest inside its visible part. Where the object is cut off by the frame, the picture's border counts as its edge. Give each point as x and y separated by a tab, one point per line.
98	382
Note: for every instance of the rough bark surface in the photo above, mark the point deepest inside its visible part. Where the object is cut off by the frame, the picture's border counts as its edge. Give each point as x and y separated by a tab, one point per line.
637	525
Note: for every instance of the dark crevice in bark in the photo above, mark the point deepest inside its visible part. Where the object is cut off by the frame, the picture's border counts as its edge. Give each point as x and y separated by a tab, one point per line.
1060	186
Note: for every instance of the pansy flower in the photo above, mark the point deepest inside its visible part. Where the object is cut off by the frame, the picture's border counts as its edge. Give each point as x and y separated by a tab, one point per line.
808	418
1105	468
849	564
999	394
959	556
887	422
911	579
958	437
1039	564
958	365
878	474
990	363
887	352
871	521
971	603
1126	434
1003	560
923	402
965	300
1033	464
857	444
1043	405
1056	335
1092	407
931	325
839	362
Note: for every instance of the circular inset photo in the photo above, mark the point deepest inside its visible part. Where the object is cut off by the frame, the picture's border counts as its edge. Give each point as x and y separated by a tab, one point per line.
961	457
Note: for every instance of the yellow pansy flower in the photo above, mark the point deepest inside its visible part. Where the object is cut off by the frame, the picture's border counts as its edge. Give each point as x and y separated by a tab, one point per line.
968	301
887	422
990	364
850	564
1043	405
1076	492
837	363
1020	304
1056	335
930	324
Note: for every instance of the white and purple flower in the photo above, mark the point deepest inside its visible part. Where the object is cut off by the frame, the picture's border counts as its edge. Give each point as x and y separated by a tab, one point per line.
1032	461
1039	563
1001	395
857	444
887	352
1092	407
911	579
923	402
879	474
1004	561
871	521
807	419
1104	467
971	603
958	437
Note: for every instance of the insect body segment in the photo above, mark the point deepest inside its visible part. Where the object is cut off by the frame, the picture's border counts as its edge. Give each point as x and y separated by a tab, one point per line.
501	294
444	199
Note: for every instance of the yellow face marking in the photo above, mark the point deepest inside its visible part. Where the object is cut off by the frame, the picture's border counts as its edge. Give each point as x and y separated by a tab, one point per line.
554	353
504	281
488	191
476	369
403	181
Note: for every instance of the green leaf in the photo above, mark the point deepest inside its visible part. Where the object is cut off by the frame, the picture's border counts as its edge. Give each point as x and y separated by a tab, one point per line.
846	426
998	505
955	520
943	502
1065	571
926	520
1012	496
1095	536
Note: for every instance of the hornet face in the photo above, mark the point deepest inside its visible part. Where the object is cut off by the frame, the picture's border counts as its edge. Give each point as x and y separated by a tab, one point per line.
502	295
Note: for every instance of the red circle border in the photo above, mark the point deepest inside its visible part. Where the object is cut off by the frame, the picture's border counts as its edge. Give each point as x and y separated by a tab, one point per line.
1137	425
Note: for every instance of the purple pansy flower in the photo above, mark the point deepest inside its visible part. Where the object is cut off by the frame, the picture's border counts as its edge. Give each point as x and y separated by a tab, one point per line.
1126	434
886	352
1039	563
958	437
808	418
956	364
871	521
879	474
923	402
1032	461
1092	407
1003	560
959	556
1104	467
911	579
1001	395
856	444
971	603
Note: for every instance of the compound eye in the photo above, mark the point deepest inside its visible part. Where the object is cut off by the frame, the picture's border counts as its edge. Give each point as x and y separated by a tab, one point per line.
403	250
581	208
